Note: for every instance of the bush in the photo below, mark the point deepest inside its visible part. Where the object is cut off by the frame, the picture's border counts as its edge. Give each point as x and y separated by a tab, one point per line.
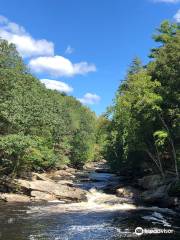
20	153
39	128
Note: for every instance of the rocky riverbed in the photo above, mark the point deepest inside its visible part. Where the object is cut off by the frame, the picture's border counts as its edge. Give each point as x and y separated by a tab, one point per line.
55	185
51	186
62	185
91	204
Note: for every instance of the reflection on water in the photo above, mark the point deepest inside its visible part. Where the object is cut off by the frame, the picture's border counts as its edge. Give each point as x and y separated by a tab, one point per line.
103	216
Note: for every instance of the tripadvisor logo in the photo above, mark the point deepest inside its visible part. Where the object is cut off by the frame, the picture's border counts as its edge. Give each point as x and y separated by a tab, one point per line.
139	231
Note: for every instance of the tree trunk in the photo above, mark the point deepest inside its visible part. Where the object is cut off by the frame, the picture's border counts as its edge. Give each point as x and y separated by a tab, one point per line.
160	163
172	145
156	162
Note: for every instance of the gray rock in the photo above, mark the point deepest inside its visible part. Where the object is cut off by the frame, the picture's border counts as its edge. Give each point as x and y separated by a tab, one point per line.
58	191
156	195
151	181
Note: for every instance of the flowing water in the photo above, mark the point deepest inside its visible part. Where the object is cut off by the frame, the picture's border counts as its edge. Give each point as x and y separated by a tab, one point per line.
103	216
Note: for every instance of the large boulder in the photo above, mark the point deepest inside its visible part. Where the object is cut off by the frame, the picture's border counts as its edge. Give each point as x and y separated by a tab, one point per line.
42	196
160	197
54	189
155	196
151	181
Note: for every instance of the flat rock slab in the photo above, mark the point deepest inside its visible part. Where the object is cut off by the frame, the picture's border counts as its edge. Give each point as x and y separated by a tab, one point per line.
42	196
12	197
57	190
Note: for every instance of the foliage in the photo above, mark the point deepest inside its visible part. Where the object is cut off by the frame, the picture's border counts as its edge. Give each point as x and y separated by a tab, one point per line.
102	130
20	153
40	127
144	125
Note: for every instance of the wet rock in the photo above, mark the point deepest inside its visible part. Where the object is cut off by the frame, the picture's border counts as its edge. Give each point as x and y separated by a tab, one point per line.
127	192
111	188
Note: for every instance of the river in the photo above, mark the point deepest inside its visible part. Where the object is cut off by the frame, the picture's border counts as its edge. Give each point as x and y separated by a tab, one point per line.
103	216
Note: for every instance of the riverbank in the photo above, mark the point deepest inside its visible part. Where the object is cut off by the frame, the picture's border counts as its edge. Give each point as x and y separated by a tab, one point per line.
102	215
59	185
151	190
51	186
62	185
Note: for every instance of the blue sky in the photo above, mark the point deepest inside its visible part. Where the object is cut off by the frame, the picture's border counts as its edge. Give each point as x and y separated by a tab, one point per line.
85	45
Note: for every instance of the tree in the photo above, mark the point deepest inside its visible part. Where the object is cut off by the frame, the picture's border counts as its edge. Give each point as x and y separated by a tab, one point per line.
145	117
56	128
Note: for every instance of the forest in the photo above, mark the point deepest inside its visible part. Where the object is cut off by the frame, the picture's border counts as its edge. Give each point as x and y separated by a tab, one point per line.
41	129
140	133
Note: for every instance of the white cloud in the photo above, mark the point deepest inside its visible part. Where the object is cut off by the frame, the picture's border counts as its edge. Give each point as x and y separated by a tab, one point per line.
177	16
69	50
44	60
25	43
168	1
59	66
57	85
90	98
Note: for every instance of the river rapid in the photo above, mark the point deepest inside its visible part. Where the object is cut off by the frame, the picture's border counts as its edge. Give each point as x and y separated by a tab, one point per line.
103	216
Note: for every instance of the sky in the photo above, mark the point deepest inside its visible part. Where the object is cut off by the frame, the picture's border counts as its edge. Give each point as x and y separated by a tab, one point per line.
84	47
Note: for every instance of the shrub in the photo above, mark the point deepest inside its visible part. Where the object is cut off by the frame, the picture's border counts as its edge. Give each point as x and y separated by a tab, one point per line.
20	153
